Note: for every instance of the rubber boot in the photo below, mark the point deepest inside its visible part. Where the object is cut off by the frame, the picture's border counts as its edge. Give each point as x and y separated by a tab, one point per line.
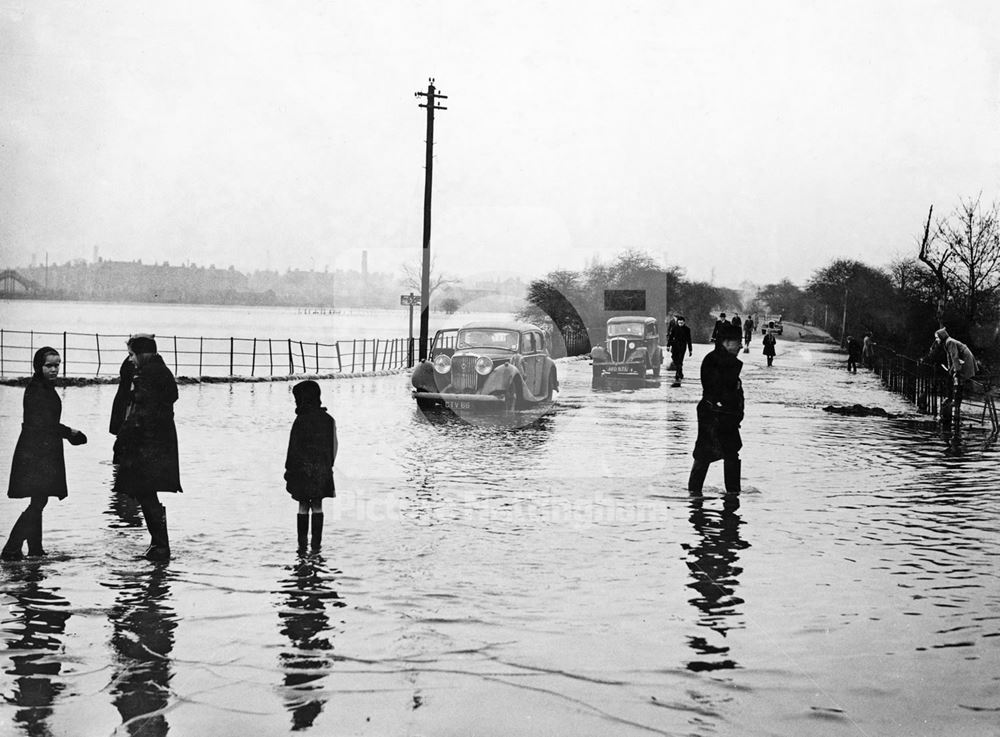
731	473
697	478
302	522
160	547
35	536
18	534
317	530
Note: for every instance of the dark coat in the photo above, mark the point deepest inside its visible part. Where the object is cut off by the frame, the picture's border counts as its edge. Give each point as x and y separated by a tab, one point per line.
679	341
853	349
146	448
720	410
312	450
119	407
769	342
38	467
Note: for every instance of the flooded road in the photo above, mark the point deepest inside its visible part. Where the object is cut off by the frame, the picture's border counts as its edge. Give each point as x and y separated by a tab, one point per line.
551	577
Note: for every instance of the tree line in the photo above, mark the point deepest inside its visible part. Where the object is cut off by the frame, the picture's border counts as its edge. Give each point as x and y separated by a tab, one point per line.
951	279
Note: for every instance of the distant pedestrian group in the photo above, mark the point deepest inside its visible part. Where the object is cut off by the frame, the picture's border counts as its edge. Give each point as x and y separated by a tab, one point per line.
145	452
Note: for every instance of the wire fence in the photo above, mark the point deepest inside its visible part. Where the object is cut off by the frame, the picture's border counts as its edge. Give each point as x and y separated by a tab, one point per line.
927	384
97	355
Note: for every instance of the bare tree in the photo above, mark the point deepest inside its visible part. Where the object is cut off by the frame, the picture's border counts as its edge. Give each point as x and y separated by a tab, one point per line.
963	253
412	274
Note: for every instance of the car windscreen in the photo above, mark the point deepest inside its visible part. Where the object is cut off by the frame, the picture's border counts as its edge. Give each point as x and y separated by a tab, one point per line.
485	338
625	328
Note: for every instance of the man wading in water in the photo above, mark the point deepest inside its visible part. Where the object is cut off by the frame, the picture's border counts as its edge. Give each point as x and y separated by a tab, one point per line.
720	413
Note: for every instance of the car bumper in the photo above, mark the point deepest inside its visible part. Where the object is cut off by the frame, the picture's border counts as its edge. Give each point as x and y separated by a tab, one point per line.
452	400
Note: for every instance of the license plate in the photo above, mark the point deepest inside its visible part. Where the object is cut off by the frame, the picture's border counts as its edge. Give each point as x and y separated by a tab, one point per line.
621	369
458	404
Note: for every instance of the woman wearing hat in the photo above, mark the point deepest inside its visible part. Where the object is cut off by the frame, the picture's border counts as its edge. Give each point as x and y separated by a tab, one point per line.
38	469
146	448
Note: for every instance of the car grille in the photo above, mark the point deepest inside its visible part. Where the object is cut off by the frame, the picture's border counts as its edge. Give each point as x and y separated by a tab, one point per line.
618	348
463	373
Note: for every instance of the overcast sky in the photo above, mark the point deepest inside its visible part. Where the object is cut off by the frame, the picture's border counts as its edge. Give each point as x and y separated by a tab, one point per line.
738	140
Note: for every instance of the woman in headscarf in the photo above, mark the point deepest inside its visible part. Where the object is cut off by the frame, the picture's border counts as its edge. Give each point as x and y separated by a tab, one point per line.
38	469
146	448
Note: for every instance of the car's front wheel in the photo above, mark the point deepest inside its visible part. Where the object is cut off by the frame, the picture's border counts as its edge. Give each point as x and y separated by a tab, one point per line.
512	398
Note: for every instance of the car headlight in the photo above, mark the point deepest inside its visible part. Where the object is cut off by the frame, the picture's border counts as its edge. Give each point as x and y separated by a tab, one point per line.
631	345
484	364
442	363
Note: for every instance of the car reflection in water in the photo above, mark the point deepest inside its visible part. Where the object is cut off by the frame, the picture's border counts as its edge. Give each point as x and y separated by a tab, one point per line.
38	615
306	592
712	561
143	624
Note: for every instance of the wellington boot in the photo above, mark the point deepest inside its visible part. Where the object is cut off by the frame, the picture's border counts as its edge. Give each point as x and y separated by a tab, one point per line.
302	522
35	548
697	478
18	534
159	548
317	530
731	473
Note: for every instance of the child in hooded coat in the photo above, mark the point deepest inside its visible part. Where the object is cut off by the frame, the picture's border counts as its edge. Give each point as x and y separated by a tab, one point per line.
312	450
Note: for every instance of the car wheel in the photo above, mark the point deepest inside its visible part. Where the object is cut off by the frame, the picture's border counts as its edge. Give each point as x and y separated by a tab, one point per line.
512	398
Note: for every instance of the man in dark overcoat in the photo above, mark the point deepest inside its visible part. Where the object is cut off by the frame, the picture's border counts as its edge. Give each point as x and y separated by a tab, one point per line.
679	341
720	413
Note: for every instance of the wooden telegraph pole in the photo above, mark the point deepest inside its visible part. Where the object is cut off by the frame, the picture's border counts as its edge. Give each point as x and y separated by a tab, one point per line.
432	96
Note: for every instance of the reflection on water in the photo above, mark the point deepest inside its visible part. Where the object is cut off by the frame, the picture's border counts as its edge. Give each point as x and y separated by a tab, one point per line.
143	624
714	577
38	621
306	592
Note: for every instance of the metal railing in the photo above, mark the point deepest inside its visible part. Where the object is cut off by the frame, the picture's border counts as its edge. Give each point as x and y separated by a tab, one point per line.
96	355
926	384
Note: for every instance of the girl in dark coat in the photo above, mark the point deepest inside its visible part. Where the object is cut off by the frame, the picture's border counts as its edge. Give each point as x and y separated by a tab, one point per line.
312	450
146	448
38	469
720	413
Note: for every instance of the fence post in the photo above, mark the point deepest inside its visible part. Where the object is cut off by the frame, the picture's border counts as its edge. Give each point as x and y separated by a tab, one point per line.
291	361
316	346
2	364
302	352
64	361
375	355
340	367
230	355
270	356
253	359
175	356
354	352
97	340
201	344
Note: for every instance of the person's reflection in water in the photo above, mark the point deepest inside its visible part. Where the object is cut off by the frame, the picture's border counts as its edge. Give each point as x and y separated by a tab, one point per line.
39	617
306	592
712	562
124	507
143	636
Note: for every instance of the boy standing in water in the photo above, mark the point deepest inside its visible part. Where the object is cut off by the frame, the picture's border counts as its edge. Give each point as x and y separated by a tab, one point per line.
312	450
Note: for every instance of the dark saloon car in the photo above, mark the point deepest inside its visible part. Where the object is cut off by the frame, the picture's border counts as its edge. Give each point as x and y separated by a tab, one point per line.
494	366
632	348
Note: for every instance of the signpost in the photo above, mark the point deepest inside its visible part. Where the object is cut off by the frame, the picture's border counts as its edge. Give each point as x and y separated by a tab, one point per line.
409	300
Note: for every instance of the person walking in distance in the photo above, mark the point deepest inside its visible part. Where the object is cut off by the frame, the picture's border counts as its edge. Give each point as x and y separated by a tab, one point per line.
853	354
748	327
38	469
769	342
718	323
868	350
146	448
312	451
961	367
720	413
678	342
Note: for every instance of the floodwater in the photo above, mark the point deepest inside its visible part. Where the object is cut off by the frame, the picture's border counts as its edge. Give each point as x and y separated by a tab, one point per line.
537	578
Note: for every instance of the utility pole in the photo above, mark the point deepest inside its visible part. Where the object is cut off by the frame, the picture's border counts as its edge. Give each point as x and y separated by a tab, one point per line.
432	96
